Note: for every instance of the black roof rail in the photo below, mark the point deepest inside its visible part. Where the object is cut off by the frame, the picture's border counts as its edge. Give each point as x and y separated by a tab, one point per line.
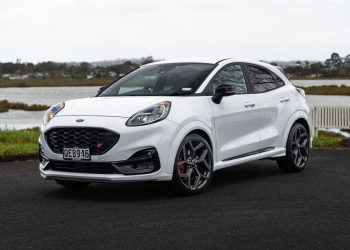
222	60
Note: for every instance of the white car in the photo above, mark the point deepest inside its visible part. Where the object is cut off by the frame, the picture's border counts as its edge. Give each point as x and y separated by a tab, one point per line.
179	121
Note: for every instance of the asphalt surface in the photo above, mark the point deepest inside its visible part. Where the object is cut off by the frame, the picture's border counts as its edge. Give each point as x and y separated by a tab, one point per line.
253	205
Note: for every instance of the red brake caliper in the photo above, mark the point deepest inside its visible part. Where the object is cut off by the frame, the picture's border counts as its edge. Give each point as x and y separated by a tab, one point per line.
181	167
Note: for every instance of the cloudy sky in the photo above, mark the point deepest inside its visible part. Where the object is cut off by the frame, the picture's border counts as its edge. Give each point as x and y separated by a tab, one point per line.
92	30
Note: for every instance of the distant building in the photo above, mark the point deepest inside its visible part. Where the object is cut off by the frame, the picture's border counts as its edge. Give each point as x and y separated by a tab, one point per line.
90	76
112	74
5	76
18	77
64	75
39	75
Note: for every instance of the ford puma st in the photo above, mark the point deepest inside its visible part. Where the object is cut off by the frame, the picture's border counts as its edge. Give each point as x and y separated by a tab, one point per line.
178	121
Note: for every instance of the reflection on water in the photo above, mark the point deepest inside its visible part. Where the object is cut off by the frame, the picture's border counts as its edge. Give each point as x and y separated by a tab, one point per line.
19	119
51	95
46	95
327	99
308	83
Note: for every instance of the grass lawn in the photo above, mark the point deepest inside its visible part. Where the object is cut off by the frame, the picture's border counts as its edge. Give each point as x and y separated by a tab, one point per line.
327	139
327	90
14	142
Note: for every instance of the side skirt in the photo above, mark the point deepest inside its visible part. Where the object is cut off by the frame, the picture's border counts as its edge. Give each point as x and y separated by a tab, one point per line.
262	154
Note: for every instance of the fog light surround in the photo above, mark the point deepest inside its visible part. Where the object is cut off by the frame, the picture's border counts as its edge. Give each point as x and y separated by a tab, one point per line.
42	158
142	162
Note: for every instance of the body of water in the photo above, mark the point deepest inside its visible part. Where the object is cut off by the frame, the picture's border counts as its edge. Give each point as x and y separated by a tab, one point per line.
46	95
50	95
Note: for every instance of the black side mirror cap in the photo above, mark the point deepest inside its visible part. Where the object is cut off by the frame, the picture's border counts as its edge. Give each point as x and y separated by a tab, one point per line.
221	91
99	91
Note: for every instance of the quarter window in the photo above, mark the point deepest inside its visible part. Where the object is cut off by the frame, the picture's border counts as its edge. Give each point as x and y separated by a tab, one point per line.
279	81
232	75
262	80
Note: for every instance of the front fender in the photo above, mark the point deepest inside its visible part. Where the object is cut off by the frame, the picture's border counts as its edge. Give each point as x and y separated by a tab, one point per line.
184	131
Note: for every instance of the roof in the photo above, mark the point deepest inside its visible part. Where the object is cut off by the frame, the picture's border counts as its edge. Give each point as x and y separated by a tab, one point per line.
222	60
211	60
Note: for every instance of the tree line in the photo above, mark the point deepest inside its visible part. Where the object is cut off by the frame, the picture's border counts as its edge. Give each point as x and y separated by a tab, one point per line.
72	70
335	66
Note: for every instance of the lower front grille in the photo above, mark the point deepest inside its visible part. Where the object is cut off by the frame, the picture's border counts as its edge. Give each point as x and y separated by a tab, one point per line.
142	162
83	167
98	140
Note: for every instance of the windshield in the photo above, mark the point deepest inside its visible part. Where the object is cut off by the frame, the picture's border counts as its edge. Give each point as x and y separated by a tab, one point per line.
161	79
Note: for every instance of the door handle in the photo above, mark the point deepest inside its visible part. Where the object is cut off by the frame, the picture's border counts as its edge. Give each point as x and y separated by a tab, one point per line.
249	104
284	99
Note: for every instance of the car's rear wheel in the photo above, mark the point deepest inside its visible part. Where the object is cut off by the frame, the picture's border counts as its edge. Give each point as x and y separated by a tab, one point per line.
297	150
73	184
193	168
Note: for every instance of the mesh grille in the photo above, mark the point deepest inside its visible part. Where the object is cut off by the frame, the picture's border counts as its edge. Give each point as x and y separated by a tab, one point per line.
98	140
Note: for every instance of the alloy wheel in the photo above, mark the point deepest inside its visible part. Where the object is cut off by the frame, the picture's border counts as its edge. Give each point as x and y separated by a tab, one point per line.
194	164
300	147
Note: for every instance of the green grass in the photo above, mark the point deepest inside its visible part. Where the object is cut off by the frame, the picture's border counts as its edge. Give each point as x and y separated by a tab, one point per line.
14	142
69	82
327	90
327	139
17	142
6	105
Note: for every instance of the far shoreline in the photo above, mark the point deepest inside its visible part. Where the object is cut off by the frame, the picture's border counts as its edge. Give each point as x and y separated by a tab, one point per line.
72	82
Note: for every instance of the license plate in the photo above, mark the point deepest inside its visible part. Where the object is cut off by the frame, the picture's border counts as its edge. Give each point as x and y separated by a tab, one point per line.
76	154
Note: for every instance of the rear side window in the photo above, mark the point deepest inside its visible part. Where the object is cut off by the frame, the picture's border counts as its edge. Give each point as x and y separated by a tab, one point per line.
262	80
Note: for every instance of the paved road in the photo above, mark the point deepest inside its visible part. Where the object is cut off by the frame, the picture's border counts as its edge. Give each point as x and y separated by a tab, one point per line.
250	206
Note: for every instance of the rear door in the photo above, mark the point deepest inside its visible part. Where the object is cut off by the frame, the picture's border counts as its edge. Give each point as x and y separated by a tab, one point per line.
275	105
236	117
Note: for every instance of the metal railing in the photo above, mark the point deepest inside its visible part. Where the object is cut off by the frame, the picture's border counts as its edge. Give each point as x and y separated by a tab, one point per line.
329	116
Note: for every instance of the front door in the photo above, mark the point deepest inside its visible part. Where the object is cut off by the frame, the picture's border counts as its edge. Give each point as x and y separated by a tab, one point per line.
236	117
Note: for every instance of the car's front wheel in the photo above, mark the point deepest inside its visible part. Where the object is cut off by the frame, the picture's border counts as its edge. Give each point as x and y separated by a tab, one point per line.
297	150
193	168
73	184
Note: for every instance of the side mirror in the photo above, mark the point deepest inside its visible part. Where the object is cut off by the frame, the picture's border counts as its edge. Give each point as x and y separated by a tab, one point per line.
101	89
221	91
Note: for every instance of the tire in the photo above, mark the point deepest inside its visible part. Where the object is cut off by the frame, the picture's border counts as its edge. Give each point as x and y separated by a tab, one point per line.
193	167
73	184
297	150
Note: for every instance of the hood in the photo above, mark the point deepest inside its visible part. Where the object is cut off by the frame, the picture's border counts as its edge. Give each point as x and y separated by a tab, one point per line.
124	106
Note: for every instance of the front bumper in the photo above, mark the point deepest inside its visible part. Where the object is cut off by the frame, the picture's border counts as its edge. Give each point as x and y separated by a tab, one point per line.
55	175
159	136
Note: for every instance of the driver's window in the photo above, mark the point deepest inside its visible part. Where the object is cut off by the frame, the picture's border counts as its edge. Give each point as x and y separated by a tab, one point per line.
233	75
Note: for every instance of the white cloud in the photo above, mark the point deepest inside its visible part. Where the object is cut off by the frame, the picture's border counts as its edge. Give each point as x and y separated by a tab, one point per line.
64	30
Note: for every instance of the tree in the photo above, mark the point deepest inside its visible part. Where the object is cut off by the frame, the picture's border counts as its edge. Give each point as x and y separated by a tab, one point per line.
347	61
334	61
146	60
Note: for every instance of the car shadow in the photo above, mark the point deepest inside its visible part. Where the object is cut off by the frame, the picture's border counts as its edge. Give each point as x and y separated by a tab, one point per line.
248	172
148	191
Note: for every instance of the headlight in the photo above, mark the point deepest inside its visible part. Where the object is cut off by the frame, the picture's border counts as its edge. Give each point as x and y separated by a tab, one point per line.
150	115
51	112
